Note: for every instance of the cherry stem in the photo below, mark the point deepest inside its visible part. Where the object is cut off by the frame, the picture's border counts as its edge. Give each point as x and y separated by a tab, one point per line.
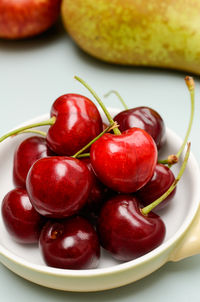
50	121
191	86
83	155
151	206
42	133
172	159
113	126
115	130
119	97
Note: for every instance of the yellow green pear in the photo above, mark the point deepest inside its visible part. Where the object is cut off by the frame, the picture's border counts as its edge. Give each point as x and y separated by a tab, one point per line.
160	33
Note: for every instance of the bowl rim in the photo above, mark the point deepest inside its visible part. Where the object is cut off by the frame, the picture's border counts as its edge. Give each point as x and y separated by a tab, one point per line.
5	253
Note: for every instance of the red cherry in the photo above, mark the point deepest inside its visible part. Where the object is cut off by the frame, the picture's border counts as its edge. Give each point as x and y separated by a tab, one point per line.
98	196
125	162
58	186
125	231
30	150
21	220
70	244
98	191
78	121
160	182
145	118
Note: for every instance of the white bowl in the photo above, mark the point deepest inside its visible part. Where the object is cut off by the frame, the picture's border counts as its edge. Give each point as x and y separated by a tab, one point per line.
181	219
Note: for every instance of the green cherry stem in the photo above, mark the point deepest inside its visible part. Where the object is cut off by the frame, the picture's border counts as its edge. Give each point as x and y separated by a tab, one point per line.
151	206
172	159
119	97
113	126
42	133
50	121
83	155
191	87
115	130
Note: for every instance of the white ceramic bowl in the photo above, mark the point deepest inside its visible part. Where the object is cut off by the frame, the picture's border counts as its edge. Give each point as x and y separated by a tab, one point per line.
182	219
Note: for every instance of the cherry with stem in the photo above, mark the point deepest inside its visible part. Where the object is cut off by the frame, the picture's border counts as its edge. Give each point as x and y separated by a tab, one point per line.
129	231
109	155
75	120
79	154
110	119
163	177
142	117
151	206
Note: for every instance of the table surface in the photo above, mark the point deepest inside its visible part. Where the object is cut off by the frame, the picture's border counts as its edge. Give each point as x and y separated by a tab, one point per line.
33	73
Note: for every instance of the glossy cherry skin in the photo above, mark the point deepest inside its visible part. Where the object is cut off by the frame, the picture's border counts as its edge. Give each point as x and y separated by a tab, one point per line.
125	231
78	121
21	220
125	162
99	191
98	195
160	182
58	186
30	150
144	118
70	244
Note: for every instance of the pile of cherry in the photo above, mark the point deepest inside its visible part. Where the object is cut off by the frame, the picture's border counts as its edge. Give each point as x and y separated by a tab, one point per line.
84	184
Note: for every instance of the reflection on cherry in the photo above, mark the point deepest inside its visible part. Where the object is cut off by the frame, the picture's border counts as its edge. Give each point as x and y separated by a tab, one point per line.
30	150
145	118
160	182
70	244
125	231
21	220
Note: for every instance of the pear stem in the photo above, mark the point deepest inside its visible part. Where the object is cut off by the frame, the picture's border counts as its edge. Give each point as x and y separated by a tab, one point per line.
115	130
172	159
151	206
111	127
50	121
119	96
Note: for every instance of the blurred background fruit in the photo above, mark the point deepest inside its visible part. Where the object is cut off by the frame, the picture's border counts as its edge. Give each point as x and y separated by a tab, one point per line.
27	18
133	32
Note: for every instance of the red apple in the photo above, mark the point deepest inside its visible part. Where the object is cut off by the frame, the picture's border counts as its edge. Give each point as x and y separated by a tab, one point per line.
26	18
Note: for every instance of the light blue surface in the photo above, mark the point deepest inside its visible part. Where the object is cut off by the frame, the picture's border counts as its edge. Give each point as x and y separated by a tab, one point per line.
33	74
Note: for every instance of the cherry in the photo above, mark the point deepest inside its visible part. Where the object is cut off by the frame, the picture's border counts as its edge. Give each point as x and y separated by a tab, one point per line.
145	118
125	231
78	121
21	220
75	122
141	117
123	161
160	182
99	191
70	244
163	177
98	195
30	150
63	103
58	186
128	231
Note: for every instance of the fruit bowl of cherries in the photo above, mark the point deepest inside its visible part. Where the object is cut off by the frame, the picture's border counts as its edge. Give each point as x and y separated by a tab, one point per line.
95	198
